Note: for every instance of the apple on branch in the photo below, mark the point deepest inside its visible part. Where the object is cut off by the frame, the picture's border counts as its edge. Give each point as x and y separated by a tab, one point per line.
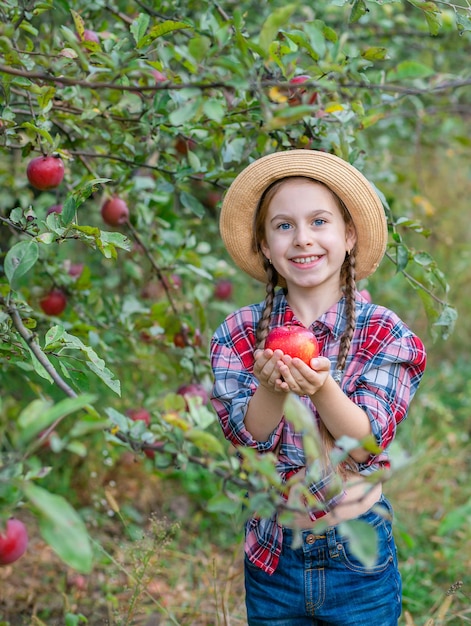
139	415
223	289
193	390
295	95
115	211
54	302
45	172
13	541
296	341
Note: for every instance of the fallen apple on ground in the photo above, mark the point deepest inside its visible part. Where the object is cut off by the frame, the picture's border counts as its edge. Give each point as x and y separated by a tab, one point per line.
296	341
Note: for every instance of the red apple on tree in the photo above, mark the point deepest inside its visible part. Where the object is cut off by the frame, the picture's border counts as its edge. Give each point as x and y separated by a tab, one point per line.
296	341
115	211
55	208
90	35
45	172
54	302
295	95
193	390
159	76
75	269
13	541
139	414
223	289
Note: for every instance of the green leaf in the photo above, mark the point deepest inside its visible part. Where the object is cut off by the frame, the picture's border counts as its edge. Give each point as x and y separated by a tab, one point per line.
106	376
139	26
358	10
40	414
160	30
303	421
185	113
458	517
402	257
220	503
214	110
205	441
275	21
68	210
410	70
192	203
363	540
37	365
375	53
19	260
62	528
41	131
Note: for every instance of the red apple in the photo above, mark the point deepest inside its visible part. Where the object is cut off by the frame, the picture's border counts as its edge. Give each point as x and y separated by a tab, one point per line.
295	95
295	341
223	289
90	35
75	269
193	390
180	340
55	208
139	414
184	144
159	77
45	172
13	541
54	302
115	211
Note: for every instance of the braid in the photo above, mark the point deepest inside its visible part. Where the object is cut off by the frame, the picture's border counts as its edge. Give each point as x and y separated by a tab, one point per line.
344	468
264	322
350	288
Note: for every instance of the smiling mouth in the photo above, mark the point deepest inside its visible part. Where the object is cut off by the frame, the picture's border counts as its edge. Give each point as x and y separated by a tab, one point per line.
306	259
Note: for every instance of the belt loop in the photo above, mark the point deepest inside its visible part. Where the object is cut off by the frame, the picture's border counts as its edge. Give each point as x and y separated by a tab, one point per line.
332	541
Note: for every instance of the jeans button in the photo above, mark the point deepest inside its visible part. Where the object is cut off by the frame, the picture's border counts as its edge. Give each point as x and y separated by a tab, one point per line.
310	539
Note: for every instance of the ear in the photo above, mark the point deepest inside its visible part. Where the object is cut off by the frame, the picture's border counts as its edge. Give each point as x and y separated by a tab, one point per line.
350	237
265	249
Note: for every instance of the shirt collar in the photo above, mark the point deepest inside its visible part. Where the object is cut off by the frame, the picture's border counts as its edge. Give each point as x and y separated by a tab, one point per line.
333	320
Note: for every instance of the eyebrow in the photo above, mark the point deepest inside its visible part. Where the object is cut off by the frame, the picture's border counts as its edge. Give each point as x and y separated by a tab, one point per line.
315	213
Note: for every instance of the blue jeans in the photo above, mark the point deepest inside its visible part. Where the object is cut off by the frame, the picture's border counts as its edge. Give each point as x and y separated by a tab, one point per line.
322	583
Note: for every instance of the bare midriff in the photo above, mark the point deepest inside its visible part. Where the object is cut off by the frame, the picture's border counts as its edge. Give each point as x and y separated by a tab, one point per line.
360	496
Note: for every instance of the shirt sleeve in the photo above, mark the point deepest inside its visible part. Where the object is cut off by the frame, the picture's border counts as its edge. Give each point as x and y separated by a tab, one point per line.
385	373
231	354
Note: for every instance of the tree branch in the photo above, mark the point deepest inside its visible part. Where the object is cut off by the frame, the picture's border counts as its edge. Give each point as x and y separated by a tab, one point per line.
36	349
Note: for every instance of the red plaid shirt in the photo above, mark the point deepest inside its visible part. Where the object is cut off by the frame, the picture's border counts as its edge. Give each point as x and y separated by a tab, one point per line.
383	370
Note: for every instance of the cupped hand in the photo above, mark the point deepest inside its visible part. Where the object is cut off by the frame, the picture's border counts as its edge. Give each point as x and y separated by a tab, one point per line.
303	379
267	369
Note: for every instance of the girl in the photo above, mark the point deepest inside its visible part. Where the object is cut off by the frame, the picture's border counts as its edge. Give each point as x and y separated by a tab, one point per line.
311	223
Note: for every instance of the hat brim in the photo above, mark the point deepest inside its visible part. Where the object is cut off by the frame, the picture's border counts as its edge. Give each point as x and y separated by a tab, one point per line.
349	184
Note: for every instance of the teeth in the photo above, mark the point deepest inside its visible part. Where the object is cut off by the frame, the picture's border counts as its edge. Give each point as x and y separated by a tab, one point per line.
308	259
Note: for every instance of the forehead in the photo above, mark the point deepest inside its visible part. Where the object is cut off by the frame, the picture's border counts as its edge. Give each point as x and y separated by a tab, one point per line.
296	192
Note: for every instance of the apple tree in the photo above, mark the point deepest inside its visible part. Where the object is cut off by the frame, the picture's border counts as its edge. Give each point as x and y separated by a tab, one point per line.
121	126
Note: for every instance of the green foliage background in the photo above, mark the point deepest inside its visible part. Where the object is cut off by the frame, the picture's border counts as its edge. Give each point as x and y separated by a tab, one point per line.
388	90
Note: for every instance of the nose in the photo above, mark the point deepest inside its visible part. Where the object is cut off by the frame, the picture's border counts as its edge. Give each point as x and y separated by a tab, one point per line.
303	236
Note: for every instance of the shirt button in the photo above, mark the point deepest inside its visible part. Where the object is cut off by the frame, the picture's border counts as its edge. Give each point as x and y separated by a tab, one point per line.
310	539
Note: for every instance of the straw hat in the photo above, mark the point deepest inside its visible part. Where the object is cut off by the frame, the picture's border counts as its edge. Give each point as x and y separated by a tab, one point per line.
243	196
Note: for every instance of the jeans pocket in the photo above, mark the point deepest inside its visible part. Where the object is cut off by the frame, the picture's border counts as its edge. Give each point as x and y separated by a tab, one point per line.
385	551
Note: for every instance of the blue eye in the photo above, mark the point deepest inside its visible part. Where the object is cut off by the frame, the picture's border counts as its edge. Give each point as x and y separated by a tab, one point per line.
284	226
319	222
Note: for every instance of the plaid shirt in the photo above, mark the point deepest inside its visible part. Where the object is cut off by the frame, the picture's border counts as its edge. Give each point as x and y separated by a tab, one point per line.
382	373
